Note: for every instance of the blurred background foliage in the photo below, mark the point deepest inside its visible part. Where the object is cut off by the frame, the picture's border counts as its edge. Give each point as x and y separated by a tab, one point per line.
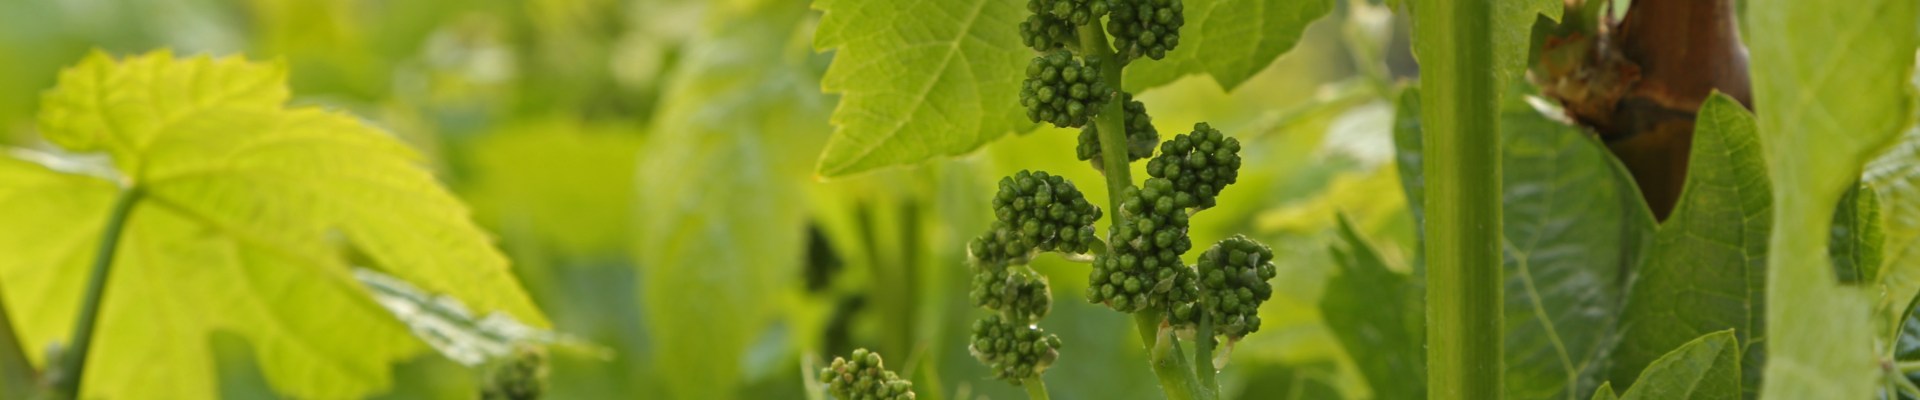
647	165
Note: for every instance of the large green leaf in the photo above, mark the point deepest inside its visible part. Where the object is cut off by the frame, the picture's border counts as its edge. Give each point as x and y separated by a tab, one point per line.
1828	81
1705	271
1707	367
248	207
919	79
1574	224
720	198
1229	40
1376	314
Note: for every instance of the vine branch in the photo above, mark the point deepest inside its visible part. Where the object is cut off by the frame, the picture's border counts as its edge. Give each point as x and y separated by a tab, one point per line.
1459	95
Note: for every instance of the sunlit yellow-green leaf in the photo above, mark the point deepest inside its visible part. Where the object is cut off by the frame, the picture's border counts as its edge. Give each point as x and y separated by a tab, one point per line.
249	209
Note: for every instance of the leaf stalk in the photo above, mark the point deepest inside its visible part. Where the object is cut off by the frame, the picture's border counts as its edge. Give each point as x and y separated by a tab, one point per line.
65	377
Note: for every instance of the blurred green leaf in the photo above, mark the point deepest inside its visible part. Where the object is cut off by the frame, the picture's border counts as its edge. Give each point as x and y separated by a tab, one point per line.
721	203
1229	40
1828	79
246	209
1574	223
919	79
1707	367
1705	271
1378	316
561	183
1895	178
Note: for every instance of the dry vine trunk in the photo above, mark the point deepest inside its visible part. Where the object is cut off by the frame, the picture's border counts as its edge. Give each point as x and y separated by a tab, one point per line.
1641	83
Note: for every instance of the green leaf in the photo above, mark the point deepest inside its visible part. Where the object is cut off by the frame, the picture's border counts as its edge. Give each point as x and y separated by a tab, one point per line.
1513	34
1707	367
1705	271
1377	315
1605	392
1574	222
1856	236
919	79
247	210
1230	40
1895	178
722	227
1829	81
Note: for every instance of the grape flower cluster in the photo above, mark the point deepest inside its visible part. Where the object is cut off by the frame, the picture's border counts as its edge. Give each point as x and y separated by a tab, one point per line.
521	375
1148	28
1063	90
1200	164
1014	350
1034	212
1144	269
1054	23
864	377
1233	284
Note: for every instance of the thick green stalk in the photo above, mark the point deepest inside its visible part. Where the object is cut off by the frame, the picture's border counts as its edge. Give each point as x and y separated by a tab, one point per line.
66	376
1036	388
1459	99
1203	356
16	374
1111	121
1175	379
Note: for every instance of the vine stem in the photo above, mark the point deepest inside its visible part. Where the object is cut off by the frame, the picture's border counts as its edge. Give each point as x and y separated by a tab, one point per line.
1203	355
66	376
1036	388
1176	380
1460	99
